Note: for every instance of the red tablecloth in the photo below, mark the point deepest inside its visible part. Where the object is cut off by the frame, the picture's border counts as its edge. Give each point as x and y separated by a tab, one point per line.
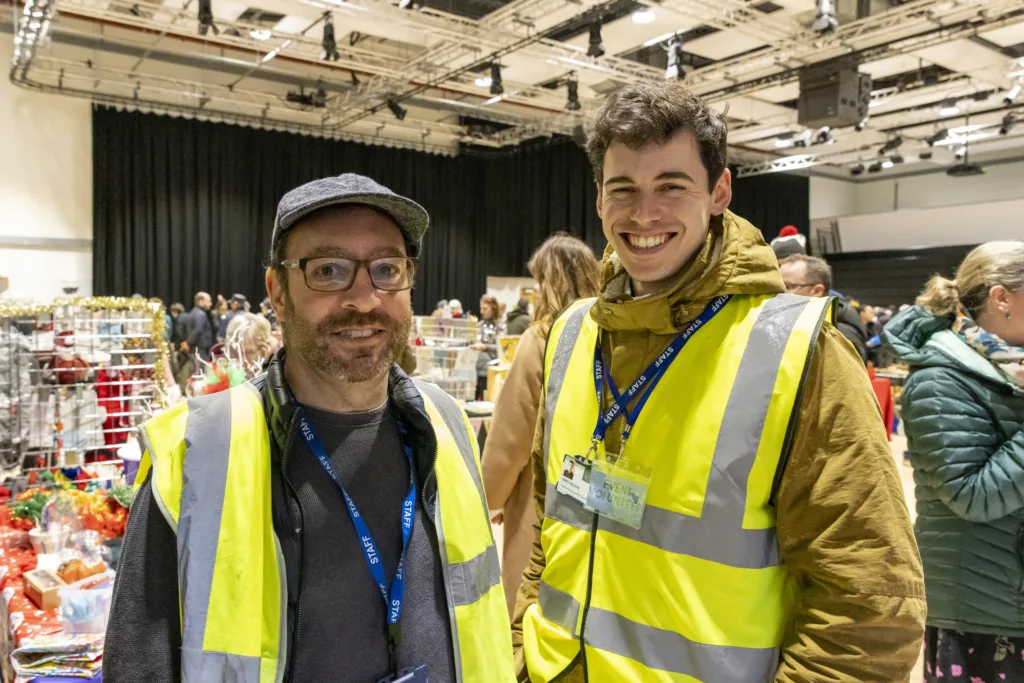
883	392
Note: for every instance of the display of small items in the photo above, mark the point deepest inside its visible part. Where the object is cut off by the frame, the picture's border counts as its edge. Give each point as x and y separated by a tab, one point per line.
443	354
76	378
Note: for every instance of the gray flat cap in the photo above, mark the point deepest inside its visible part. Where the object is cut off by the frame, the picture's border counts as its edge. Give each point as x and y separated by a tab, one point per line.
351	188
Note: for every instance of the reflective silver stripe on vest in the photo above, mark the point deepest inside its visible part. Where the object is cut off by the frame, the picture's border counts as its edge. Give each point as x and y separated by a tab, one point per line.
558	607
469	581
669	651
203	482
559	364
718	535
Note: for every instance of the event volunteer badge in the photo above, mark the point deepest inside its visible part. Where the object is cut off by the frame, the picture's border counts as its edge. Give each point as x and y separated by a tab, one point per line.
611	486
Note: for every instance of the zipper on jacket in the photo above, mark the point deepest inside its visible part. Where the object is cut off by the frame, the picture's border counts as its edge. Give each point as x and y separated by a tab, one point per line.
302	515
586	603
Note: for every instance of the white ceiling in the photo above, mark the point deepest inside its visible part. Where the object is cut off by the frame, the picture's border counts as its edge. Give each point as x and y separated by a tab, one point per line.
152	58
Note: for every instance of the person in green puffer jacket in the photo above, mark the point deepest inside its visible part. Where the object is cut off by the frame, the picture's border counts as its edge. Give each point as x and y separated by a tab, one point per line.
963	408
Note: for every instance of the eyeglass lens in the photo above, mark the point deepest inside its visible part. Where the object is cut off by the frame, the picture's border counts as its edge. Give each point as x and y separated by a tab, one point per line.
331	274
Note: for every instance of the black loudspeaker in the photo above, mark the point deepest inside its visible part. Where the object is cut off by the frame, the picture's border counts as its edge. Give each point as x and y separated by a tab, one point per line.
833	94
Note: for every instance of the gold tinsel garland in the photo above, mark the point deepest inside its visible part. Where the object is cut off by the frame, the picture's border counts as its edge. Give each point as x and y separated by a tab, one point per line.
109	303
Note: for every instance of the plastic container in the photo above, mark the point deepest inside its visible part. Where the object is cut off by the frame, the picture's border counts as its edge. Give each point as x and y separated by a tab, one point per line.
85	605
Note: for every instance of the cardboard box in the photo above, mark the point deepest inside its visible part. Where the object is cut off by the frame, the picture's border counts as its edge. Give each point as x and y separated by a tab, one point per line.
41	586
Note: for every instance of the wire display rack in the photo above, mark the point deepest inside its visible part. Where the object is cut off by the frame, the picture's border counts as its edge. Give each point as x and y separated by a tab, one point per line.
77	376
442	347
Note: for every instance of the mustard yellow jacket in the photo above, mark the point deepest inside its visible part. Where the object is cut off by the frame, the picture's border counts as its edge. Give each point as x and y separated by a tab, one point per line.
843	525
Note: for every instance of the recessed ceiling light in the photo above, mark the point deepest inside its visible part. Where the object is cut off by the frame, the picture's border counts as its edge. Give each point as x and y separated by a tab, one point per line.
484	82
644	16
261	33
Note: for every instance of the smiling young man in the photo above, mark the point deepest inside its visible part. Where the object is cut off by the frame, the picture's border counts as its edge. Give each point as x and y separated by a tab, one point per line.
325	522
741	520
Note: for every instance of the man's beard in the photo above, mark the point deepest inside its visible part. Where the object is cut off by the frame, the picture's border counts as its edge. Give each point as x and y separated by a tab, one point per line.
312	342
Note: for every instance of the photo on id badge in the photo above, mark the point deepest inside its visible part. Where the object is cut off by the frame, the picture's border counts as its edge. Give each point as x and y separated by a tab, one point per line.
575	479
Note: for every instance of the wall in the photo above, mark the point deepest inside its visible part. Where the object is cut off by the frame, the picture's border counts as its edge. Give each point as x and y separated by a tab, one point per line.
45	190
506	289
931	210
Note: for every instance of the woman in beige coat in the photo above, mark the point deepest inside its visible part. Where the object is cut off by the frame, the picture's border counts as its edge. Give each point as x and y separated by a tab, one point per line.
566	270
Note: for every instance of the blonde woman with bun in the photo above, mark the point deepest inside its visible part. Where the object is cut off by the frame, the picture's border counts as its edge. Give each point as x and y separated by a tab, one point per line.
963	409
566	270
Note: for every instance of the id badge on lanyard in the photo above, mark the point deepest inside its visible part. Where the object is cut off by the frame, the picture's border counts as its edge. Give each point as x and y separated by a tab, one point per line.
611	484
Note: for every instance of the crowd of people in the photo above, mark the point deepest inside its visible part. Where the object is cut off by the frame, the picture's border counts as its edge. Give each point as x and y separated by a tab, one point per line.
709	493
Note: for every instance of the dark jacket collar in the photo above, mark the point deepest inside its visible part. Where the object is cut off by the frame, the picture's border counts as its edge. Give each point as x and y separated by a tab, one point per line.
281	410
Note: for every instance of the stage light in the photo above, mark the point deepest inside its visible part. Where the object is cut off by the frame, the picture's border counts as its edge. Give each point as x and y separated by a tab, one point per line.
644	16
496	87
825	19
396	108
891	146
961	153
1009	121
949	108
875	167
862	124
329	44
572	88
824	137
896	159
784	140
1013	94
675	70
887	163
260	34
206	18
803	139
939	136
857	170
596	47
410	4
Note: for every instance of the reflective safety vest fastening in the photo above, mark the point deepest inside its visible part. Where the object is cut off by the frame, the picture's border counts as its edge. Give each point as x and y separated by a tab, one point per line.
699	592
210	460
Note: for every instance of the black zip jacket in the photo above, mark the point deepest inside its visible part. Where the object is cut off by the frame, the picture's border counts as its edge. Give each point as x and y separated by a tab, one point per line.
143	640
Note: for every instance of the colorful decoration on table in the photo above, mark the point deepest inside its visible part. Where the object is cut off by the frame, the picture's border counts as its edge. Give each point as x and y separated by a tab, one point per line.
155	327
104	512
231	366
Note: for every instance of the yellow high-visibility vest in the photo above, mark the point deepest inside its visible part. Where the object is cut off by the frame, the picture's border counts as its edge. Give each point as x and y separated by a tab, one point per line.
210	460
699	592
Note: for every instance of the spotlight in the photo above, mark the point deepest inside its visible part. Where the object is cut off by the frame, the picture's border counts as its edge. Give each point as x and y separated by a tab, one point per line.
206	18
939	136
824	137
784	140
896	159
596	48
1009	121
410	4
496	87
949	108
572	88
857	170
329	45
887	163
925	156
1013	94
676	69
875	167
891	146
804	139
862	124
260	34
396	108
825	20
961	153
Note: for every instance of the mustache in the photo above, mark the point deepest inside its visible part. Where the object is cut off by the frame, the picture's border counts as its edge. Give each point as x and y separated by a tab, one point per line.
344	319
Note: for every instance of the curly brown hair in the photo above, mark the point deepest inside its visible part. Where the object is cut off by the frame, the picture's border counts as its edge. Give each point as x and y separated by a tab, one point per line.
566	270
646	113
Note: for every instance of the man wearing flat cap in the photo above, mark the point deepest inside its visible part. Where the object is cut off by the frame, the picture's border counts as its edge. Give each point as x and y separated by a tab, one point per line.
326	521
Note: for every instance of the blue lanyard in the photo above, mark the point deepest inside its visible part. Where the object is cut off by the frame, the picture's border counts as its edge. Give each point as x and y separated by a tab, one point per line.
649	377
394	597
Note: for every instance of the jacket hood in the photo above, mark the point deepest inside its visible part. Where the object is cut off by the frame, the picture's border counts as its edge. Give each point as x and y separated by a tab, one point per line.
734	260
922	339
517	313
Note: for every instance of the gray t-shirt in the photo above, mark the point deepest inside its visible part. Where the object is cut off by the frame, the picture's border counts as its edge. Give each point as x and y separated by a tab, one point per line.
341	631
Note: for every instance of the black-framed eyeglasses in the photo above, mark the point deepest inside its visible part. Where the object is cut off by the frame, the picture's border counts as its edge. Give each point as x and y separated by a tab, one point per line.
336	274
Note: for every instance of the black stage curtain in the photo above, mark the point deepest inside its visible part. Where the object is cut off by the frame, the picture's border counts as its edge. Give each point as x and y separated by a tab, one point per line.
182	205
773	201
894	277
